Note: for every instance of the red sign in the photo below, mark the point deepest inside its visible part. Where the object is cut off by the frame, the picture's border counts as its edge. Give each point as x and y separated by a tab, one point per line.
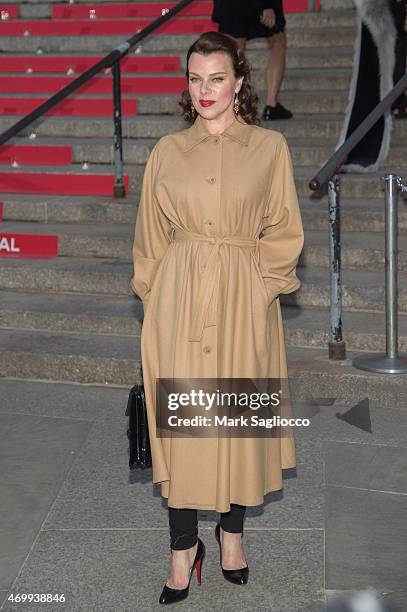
1	211
28	246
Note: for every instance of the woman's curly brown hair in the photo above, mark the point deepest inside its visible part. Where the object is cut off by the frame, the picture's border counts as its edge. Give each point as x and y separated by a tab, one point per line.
212	42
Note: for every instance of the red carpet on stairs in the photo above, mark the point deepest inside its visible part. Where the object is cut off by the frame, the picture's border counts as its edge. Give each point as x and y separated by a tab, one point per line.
80	107
28	246
32	155
128	9
58	184
79	64
128	27
97	85
125	10
154	9
105	19
9	11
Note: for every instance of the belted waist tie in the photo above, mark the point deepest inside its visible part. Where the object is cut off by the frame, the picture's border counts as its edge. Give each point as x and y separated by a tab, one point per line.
210	275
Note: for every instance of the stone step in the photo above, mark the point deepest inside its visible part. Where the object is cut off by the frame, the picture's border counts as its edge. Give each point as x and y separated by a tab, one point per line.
115	242
89	314
339	57
304	79
301	37
306	153
307	58
137	150
81	240
353	186
114	360
356	215
325	127
68	275
79	357
329	80
362	289
364	252
362	206
304	102
122	316
332	5
312	374
69	209
362	331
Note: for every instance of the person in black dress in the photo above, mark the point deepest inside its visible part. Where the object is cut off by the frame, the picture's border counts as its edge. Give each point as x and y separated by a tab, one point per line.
247	19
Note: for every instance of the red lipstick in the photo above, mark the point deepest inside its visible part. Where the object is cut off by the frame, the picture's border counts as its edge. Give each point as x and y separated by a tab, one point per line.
206	102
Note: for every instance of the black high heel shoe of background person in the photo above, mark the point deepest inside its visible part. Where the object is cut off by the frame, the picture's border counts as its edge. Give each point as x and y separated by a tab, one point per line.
170	595
236	576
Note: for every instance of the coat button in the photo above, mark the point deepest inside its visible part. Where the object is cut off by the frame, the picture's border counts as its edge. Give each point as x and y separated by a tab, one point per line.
217	140
211	179
209	222
206	349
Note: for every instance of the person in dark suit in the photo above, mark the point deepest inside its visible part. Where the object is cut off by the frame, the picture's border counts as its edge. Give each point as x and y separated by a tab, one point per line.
247	19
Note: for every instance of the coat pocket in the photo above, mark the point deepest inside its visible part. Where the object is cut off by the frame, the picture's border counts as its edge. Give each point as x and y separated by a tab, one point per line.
260	278
155	283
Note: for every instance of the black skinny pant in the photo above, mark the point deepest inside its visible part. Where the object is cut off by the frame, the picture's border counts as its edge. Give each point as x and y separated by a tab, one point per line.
184	524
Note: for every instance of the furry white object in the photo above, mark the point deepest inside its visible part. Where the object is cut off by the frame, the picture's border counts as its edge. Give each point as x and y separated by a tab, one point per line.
376	16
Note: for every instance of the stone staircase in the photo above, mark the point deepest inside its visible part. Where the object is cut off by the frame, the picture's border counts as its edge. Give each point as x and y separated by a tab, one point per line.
74	318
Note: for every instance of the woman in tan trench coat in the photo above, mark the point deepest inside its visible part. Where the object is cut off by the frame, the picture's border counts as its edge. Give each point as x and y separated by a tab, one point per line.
210	285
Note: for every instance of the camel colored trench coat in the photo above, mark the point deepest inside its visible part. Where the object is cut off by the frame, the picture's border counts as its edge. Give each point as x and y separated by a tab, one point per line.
210	286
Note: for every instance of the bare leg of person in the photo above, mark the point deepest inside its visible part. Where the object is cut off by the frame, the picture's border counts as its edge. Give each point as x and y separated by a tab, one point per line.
274	76
183	524
275	66
242	43
180	565
233	556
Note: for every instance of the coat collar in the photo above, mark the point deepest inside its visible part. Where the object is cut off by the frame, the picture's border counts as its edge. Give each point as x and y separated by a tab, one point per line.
238	131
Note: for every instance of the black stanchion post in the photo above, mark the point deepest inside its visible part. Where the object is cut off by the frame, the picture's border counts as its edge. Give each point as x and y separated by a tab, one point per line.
119	187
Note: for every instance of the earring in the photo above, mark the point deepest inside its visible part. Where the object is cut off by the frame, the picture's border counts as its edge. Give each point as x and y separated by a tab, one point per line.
236	104
192	109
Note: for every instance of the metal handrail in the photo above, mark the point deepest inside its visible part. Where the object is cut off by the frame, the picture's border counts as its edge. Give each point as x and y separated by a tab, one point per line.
334	163
111	59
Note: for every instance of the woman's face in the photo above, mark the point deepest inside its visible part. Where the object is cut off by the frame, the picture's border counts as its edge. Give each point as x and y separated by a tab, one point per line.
212	84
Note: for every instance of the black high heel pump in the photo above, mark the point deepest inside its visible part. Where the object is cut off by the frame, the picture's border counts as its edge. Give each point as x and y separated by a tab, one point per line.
170	595
236	576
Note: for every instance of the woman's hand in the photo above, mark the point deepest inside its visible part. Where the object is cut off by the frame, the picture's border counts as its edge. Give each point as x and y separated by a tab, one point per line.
268	18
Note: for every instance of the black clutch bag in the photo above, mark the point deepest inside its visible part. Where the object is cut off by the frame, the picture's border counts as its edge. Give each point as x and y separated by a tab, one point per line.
137	431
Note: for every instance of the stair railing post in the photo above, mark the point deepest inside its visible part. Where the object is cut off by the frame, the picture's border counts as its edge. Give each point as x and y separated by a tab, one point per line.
391	362
337	346
391	258
119	190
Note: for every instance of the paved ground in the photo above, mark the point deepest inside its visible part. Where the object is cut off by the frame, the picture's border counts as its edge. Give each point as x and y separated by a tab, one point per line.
74	520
